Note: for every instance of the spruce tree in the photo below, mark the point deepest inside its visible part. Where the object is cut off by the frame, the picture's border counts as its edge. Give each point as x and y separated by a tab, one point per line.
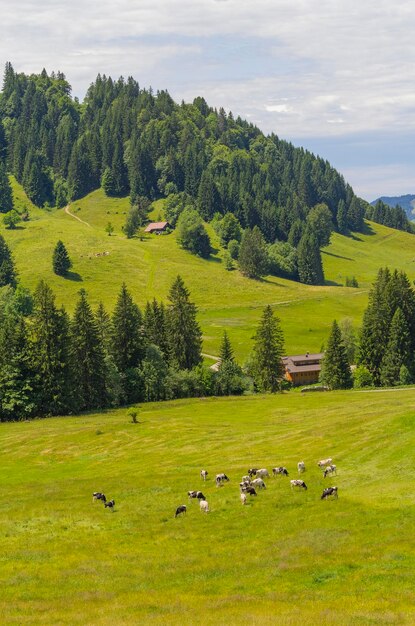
310	266
89	356
208	198
397	352
268	351
50	350
253	257
128	339
335	371
226	351
104	324
8	275
184	334
6	194
155	326
342	217
375	329
60	260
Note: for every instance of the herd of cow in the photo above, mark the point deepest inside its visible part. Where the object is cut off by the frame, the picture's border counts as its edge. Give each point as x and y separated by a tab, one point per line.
254	480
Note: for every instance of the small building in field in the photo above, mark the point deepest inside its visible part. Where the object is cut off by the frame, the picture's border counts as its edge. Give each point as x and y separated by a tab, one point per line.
157	227
303	369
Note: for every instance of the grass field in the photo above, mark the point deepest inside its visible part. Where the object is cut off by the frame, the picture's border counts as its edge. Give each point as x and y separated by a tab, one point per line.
226	300
285	558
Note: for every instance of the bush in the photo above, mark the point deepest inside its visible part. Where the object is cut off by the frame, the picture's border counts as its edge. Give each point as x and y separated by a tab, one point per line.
233	249
192	235
351	282
362	377
282	260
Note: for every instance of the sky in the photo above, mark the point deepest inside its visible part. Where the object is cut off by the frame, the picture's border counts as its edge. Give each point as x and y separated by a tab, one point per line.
334	76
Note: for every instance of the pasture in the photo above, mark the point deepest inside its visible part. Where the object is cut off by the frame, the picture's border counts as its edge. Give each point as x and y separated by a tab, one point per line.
284	558
226	300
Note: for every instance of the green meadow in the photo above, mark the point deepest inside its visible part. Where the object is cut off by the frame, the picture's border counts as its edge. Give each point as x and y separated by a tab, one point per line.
226	300
284	558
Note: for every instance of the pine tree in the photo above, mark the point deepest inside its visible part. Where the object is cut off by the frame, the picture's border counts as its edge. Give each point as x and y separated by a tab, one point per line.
375	328
6	195
397	353
268	350
342	217
253	258
8	275
89	356
61	261
335	371
225	352
310	266
128	340
184	334
155	326
208	197
50	350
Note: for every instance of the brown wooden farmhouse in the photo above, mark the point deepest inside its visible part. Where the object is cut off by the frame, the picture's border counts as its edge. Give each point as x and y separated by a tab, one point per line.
303	369
157	227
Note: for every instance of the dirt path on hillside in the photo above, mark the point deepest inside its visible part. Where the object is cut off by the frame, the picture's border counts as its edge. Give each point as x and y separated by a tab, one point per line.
67	211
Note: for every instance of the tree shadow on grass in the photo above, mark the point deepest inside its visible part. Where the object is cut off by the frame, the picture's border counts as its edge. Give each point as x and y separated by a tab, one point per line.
332	283
337	256
74	276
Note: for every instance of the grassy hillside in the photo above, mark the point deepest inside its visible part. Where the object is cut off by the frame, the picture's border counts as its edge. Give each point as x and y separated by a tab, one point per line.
286	558
226	300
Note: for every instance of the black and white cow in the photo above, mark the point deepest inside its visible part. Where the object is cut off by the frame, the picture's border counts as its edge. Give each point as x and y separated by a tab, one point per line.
181	509
252	472
298	483
196	494
259	483
324	462
98	495
282	471
330	469
301	467
330	491
220	479
203	474
110	504
250	491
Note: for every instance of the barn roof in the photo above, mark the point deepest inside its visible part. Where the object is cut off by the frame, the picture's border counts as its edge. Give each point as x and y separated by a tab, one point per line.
155	226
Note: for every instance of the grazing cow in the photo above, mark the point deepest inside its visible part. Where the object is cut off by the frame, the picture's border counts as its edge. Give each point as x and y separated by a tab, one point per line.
243	498
330	491
324	462
330	469
110	505
204	506
258	482
251	491
181	509
203	474
279	471
196	494
298	483
262	473
246	479
97	495
244	485
220	479
301	467
252	472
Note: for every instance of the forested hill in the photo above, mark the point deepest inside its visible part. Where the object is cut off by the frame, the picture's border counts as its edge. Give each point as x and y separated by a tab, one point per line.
407	202
130	140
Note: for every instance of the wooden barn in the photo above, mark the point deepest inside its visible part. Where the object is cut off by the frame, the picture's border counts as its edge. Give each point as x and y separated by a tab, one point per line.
303	369
157	227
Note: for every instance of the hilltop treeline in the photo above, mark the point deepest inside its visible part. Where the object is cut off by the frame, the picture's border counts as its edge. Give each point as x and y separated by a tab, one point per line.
130	140
394	217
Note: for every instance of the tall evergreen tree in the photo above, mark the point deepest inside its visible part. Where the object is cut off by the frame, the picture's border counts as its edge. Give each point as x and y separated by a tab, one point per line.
229	379
335	371
8	275
155	326
105	329
268	351
184	334
375	328
50	350
208	196
310	266
89	356
397	351
253	258
6	195
128	340
342	217
226	351
60	261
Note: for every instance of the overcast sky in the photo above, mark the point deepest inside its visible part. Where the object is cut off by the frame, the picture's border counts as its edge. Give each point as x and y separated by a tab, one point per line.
334	76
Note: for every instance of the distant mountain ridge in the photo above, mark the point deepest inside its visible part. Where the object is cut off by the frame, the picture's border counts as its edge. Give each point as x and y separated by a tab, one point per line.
407	202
